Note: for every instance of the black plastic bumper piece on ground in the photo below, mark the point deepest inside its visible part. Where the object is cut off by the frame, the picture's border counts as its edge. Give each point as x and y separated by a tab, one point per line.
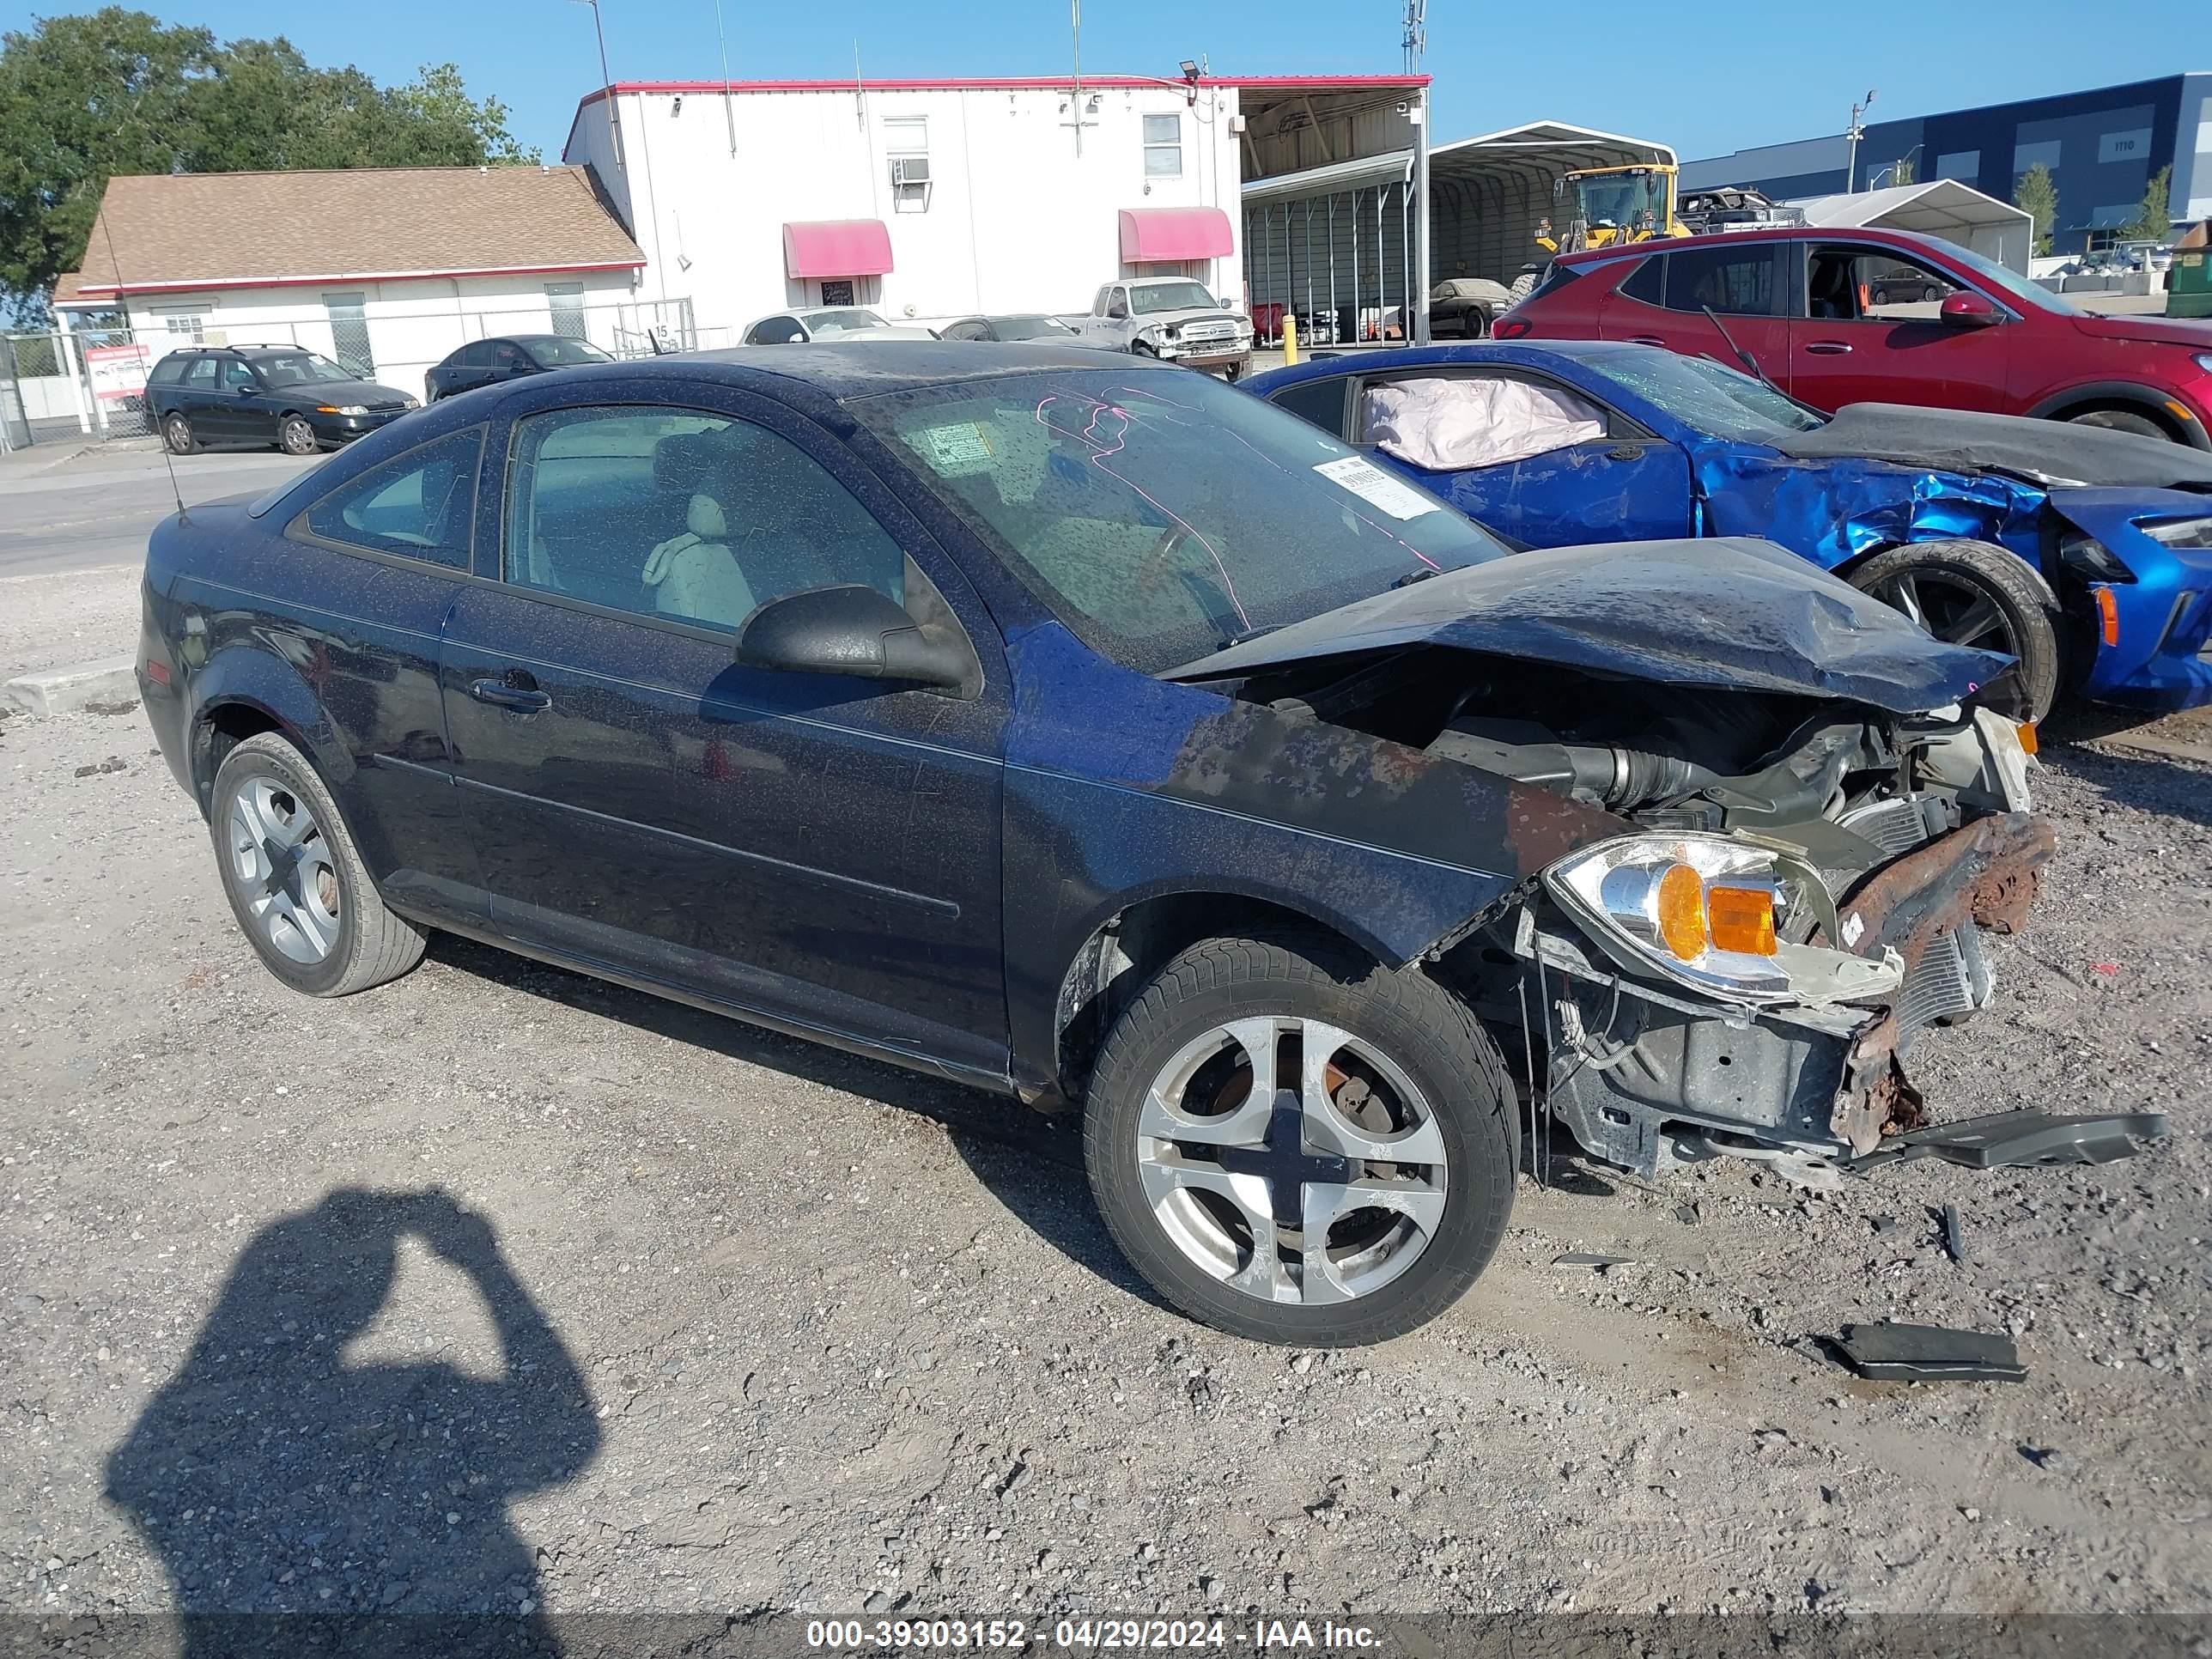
1929	1353
2010	1140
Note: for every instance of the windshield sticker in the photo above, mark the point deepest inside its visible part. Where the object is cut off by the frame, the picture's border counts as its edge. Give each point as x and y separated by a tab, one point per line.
1376	487
958	451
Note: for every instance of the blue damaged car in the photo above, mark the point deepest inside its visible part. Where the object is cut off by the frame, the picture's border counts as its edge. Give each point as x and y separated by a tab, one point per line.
2085	554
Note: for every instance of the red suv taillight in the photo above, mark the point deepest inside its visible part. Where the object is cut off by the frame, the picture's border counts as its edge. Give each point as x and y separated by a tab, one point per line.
1511	328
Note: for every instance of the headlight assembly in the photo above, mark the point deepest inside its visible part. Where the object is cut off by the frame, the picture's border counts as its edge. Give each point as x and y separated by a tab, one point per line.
342	408
2180	533
1702	910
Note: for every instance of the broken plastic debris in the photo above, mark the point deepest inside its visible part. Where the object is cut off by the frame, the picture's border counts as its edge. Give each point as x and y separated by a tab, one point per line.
1929	1353
1954	1233
2012	1139
1585	1259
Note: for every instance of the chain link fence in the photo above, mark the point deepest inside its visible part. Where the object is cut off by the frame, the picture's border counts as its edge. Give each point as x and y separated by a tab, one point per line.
89	385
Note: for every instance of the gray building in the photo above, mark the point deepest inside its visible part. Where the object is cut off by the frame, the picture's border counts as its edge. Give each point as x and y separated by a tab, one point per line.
2102	148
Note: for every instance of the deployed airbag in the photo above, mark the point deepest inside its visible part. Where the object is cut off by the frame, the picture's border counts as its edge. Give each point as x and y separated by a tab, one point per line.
1732	612
1444	425
1964	440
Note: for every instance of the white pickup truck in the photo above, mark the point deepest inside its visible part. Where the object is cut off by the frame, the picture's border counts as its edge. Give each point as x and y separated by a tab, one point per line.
1172	318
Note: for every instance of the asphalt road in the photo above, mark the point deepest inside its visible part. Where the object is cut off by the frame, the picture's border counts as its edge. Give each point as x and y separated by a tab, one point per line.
62	509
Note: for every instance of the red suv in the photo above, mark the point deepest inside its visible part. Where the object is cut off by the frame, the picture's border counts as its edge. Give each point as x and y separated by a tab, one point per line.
1837	317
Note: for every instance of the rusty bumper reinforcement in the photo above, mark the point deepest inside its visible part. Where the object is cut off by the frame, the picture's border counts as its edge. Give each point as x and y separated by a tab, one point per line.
1986	874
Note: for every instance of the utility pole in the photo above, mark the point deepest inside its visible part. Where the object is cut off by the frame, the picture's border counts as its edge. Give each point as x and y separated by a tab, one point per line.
614	133
1851	153
1417	302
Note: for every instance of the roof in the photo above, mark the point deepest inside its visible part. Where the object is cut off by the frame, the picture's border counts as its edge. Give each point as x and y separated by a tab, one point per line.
860	368
1937	206
1533	154
354	225
1595	256
1312	83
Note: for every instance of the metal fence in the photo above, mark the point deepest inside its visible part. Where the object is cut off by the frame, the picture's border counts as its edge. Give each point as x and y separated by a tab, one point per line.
89	385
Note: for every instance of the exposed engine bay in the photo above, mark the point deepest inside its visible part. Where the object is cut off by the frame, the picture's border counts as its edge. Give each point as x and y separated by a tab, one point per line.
1804	897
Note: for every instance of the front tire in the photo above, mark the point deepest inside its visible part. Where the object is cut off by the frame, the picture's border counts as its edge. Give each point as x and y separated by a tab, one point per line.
2122	420
295	437
177	433
1288	1195
1974	593
294	878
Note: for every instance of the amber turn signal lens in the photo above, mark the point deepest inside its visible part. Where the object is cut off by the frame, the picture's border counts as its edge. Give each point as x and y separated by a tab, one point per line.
2028	741
1742	918
1682	911
2108	613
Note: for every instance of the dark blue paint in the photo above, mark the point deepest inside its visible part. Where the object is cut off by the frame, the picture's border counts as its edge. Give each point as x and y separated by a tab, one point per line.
1687	481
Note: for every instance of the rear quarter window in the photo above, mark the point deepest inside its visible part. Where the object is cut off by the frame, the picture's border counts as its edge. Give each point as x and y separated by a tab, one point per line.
1554	279
169	371
1648	281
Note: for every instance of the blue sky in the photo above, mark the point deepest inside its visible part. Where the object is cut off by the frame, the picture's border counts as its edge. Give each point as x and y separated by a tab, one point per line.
1705	78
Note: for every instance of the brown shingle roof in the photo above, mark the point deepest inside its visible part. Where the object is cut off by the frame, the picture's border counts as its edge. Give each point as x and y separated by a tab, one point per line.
215	229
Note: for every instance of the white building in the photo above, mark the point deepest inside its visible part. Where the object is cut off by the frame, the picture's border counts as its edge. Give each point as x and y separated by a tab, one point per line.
386	269
929	199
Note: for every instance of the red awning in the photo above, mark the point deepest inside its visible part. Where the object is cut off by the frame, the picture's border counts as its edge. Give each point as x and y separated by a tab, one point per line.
1153	235
837	247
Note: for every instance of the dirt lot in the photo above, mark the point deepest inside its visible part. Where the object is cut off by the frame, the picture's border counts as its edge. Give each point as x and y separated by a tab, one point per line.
499	1289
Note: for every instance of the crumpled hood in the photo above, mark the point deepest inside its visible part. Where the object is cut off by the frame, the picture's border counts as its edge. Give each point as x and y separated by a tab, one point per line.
1964	440
1732	612
1181	319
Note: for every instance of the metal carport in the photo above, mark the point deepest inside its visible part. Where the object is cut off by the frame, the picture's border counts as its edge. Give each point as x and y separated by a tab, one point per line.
1332	243
1943	207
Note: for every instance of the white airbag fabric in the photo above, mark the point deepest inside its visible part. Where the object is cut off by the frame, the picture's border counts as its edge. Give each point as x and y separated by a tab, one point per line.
1446	425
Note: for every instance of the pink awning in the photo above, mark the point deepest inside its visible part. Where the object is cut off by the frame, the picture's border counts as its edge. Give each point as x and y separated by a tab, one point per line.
1153	235
837	247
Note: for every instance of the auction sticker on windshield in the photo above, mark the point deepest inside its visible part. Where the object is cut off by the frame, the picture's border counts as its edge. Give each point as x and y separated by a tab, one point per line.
1376	487
957	450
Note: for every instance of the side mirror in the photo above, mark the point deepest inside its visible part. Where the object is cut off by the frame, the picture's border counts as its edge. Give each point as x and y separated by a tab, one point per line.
1967	309
854	630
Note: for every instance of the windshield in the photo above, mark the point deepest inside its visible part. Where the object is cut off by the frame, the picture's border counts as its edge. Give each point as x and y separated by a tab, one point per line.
1709	396
552	350
1164	516
2010	283
1146	299
297	367
848	321
1029	328
1622	198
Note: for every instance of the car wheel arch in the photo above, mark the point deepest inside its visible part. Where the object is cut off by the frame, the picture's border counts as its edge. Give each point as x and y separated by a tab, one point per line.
2125	397
1122	951
240	693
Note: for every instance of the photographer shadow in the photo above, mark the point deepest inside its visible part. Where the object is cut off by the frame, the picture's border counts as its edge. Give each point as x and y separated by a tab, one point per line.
302	1501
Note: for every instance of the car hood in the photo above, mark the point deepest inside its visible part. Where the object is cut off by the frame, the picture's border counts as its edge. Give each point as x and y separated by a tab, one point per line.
1962	440
1732	613
366	392
1188	314
2146	330
888	331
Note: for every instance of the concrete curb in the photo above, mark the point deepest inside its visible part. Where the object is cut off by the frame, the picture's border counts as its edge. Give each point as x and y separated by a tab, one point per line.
69	690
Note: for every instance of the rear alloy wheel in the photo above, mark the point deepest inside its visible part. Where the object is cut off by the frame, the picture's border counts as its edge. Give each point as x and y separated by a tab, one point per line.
177	433
1298	1145
1977	594
2122	420
294	436
295	881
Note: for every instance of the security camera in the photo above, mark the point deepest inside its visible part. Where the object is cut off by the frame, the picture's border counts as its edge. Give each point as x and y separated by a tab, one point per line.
1404	108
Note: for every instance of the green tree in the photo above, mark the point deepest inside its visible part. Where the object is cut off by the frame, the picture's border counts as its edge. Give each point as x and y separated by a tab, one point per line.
83	98
2037	195
2153	220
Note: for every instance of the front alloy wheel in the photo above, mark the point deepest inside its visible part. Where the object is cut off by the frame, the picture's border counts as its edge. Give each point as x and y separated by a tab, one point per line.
1974	593
295	436
1296	1145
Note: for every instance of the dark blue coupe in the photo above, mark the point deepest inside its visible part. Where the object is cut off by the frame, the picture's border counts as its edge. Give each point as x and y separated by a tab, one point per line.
1090	731
2103	587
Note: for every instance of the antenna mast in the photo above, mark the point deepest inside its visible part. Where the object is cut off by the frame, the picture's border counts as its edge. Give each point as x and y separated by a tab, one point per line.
1417	33
729	113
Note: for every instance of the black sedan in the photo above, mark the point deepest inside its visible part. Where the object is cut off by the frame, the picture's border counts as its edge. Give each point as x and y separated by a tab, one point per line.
1029	326
508	358
297	399
1095	733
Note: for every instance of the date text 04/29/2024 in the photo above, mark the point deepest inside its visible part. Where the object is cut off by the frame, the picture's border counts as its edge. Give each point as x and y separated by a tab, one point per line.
1088	1635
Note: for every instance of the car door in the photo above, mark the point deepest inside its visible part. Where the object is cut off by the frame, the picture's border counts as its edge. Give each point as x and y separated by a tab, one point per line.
243	406
1745	285
195	398
819	850
1524	453
1865	334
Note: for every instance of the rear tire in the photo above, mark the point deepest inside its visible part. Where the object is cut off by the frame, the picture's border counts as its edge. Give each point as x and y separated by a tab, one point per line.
177	433
1407	1065
295	881
2122	420
1976	593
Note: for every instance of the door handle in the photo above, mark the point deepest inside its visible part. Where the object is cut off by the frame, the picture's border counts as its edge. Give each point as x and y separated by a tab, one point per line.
522	699
1828	349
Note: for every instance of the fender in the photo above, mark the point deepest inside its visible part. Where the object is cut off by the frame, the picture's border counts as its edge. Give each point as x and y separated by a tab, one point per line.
248	676
2149	400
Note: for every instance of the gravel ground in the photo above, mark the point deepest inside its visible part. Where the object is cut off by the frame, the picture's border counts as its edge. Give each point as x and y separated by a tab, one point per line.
499	1288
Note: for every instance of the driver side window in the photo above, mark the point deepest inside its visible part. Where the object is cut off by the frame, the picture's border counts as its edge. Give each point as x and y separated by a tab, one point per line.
1855	285
235	375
